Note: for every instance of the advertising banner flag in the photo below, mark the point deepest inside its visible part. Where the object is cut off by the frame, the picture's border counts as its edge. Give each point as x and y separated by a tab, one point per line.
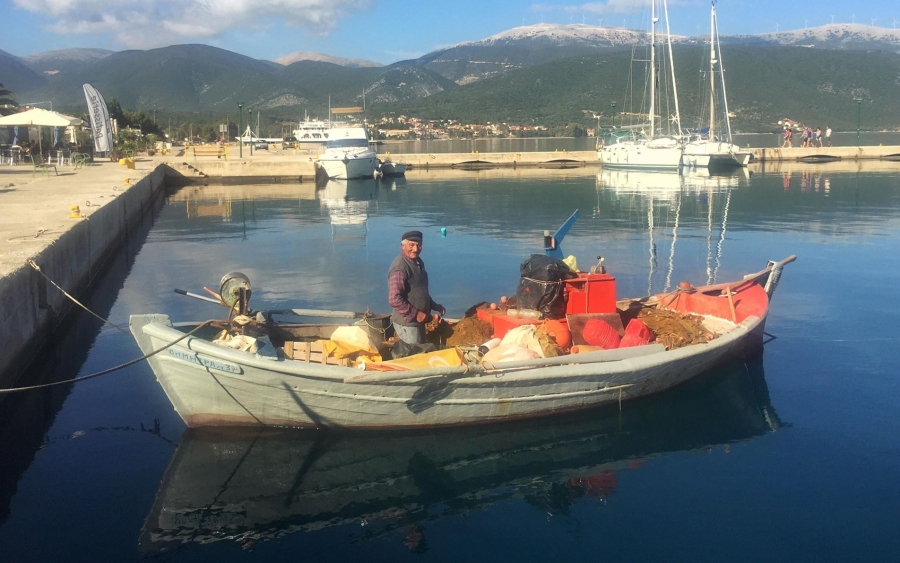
100	126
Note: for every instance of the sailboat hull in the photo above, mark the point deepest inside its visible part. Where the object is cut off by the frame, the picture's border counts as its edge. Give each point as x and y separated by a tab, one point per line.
711	154
636	155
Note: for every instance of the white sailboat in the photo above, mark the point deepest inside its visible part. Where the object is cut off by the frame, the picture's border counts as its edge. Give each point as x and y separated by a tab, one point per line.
715	149
649	151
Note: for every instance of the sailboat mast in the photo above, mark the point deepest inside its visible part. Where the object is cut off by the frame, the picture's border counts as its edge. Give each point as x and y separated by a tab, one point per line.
722	73
712	72
672	66
653	20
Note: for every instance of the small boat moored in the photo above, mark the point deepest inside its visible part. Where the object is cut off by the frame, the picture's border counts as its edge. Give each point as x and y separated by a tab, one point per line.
388	167
264	371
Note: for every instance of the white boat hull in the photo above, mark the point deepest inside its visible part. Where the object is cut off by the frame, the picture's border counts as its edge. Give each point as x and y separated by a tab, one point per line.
710	154
210	385
347	166
659	154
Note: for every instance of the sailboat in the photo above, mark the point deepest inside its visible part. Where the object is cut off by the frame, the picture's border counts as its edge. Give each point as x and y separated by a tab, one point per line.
648	151
710	150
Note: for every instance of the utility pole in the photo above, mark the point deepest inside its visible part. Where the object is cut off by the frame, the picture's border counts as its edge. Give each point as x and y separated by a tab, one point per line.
240	129
858	106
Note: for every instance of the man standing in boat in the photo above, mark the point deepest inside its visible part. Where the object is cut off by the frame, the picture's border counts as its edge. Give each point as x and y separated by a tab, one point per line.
408	291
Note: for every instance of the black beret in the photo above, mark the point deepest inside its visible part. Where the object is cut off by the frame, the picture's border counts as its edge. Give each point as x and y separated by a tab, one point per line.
415	236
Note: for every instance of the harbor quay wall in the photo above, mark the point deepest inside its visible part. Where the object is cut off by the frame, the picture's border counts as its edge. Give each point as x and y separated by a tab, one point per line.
475	159
30	307
296	168
301	167
824	154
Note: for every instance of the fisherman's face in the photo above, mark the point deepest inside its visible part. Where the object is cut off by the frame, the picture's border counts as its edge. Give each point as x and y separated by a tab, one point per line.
411	249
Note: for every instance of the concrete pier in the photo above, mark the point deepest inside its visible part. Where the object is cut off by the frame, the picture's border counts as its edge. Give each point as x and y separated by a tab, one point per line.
826	154
71	251
277	165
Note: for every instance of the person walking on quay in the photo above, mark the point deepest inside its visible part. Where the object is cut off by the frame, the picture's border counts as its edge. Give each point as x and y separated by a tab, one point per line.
787	138
819	136
828	135
408	291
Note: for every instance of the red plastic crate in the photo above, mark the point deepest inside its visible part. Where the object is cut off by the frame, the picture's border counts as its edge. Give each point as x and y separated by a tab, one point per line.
591	293
505	323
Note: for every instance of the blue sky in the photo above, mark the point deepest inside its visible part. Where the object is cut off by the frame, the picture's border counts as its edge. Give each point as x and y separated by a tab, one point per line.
381	30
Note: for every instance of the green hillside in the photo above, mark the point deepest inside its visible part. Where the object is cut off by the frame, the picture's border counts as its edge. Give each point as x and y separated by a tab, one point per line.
765	84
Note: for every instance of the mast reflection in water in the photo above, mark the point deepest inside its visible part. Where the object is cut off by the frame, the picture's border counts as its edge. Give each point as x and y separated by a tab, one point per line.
247	486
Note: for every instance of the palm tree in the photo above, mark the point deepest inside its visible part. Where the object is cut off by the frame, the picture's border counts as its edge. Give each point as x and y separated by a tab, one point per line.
7	103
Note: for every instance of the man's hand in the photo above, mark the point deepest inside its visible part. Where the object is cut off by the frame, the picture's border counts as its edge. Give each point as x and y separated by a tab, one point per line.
421	317
441	311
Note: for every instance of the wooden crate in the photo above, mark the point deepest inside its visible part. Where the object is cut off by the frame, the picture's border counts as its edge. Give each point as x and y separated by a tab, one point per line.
311	352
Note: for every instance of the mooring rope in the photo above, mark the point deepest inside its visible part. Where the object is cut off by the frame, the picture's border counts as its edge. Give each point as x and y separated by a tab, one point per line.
77	302
109	370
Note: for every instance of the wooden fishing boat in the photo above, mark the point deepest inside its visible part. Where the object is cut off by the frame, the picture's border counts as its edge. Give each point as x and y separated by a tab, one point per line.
212	385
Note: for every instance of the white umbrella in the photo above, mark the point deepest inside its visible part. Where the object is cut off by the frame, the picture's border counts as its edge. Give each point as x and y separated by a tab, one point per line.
40	118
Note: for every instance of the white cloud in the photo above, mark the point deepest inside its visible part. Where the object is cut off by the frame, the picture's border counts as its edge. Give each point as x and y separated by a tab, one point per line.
154	23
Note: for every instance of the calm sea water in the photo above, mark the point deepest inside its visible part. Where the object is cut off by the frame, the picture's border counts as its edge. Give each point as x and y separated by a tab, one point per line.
790	456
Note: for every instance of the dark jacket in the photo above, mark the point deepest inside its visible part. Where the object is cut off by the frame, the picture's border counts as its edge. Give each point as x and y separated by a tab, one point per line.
415	291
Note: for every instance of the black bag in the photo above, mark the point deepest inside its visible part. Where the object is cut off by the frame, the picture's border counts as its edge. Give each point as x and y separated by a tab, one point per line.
541	286
403	349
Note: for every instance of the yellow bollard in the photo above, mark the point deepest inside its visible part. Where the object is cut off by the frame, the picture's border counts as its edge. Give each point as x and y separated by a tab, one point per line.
129	163
127	181
76	213
122	161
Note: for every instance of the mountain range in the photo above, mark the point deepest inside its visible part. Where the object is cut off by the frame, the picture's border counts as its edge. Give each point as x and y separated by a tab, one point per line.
513	75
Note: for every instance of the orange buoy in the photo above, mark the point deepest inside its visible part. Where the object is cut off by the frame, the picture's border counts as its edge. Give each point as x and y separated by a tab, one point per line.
631	339
639	329
559	331
599	333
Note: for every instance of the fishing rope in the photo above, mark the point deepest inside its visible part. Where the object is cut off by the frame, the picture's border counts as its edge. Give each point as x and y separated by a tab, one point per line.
109	370
38	269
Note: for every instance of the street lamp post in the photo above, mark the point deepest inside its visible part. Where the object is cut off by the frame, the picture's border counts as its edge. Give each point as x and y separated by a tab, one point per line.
613	104
858	106
250	125
240	127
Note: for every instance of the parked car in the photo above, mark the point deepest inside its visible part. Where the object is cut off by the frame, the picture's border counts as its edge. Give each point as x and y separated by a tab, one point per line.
261	145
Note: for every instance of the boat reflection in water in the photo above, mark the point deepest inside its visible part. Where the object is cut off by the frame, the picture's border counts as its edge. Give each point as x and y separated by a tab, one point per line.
347	204
247	486
662	185
659	196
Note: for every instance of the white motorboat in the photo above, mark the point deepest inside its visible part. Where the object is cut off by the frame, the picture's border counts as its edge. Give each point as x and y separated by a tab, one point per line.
650	150
347	154
709	151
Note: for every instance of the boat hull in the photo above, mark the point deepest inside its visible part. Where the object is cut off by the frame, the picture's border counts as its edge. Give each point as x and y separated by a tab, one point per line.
641	156
389	168
348	166
712	154
210	385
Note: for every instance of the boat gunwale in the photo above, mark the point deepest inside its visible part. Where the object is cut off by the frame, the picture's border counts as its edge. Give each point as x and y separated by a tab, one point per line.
535	374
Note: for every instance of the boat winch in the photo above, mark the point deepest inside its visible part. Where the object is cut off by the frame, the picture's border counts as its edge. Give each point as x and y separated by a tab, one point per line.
235	290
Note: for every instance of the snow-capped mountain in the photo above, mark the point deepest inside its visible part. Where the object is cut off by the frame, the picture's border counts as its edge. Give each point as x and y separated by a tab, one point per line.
323	58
